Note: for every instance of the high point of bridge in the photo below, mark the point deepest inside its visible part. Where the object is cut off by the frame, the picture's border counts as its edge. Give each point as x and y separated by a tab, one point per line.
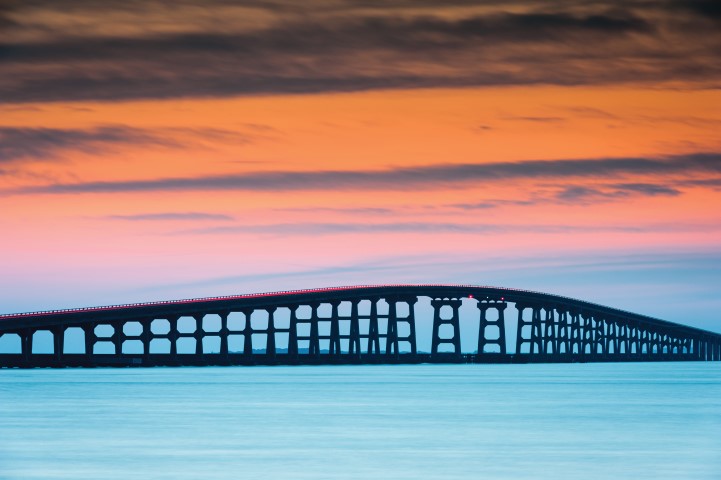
358	324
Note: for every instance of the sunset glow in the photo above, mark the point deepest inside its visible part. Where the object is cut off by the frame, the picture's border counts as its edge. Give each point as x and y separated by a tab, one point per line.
223	149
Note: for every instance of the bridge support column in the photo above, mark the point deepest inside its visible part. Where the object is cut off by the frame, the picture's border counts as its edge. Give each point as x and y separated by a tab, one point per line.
248	337
455	339
224	333
354	341
58	342
411	324
198	334
334	348
392	329
173	337
587	332
270	340
293	333
600	341
117	337
520	339
500	322
26	344
314	347
536	331
146	336
562	344
374	344
550	337
90	339
576	343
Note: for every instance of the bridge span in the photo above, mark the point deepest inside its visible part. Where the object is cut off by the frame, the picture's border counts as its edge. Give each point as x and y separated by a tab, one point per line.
345	325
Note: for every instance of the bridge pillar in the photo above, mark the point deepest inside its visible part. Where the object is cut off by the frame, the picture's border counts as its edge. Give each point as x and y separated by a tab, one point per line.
224	333
198	334
588	332
455	340
26	344
500	322
146	336
392	329
90	338
601	337
293	333
522	322
622	352
314	346
334	348
562	343
58	342
412	324
117	337
173	336
374	344
536	331
550	333
354	341
248	336
576	342
270	339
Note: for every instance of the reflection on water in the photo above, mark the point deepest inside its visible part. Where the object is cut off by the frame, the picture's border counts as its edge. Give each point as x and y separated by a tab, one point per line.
594	421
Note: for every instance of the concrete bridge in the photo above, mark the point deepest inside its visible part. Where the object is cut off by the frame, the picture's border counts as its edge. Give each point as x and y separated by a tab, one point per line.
343	325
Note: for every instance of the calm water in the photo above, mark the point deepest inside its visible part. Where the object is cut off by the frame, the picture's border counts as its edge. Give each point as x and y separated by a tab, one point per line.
597	421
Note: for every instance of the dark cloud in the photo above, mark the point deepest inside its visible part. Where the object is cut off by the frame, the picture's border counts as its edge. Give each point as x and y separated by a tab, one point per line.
400	178
17	143
648	189
582	193
172	216
35	143
331	46
705	8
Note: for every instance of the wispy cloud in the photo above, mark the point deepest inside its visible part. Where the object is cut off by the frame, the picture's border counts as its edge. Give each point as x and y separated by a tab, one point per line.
42	143
431	227
171	216
583	193
19	143
402	178
283	47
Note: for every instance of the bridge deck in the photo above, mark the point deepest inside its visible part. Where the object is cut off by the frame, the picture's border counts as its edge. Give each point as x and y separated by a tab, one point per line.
548	328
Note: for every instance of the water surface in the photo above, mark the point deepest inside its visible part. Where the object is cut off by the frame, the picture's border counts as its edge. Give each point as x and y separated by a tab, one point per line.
592	421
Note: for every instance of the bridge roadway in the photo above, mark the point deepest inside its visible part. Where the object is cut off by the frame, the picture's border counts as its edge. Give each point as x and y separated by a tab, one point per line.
361	324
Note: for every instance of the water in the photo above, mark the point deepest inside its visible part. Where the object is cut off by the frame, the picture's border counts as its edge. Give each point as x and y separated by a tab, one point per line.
593	421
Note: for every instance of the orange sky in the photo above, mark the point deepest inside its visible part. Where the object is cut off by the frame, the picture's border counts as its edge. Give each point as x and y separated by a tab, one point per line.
185	191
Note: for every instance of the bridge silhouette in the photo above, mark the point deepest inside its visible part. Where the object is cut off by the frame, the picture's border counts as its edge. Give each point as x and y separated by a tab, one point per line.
351	325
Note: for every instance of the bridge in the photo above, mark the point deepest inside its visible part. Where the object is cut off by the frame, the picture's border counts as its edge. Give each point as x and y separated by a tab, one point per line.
347	325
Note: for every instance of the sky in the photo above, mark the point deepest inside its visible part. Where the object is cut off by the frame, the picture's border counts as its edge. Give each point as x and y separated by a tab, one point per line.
154	150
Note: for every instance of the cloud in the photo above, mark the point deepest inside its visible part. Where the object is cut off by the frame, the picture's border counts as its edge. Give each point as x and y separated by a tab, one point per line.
342	210
335	228
536	119
576	193
36	143
402	178
430	227
18	143
171	216
283	47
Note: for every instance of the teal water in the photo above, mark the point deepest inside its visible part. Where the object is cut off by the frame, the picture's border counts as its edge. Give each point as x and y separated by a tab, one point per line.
592	421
